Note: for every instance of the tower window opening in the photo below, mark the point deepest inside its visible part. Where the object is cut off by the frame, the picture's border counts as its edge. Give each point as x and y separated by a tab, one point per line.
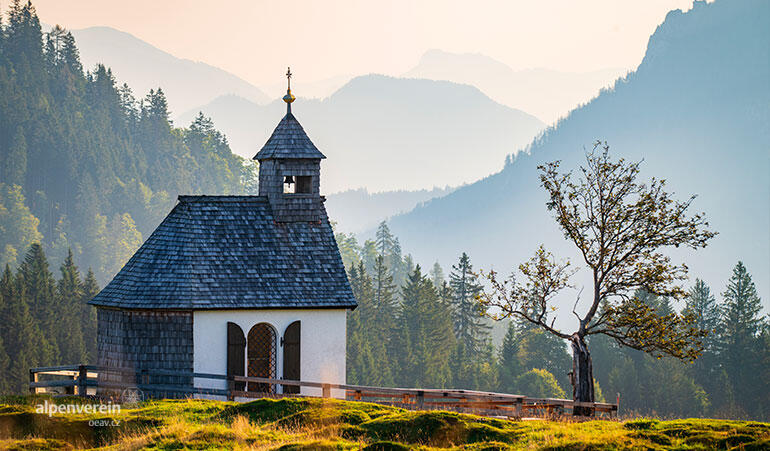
298	184
304	183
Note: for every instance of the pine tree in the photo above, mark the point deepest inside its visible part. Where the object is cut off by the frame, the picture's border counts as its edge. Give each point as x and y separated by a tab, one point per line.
384	240
469	326
38	291
23	36
88	315
384	303
437	275
510	366
25	346
702	305
740	343
424	336
156	106
70	56
369	255
367	355
70	328
129	106
350	251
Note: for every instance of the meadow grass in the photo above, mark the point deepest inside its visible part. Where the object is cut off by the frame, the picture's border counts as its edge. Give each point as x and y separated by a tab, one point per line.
323	424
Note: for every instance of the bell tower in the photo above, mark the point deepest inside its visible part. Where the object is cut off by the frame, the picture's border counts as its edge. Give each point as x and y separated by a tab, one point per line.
290	169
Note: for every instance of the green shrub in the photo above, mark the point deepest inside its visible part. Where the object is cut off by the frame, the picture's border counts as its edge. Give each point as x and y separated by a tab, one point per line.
539	383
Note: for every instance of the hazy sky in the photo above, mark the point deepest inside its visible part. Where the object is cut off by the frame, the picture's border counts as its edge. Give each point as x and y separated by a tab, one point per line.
257	39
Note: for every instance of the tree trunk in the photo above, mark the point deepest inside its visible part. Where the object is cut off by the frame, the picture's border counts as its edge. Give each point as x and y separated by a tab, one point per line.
582	376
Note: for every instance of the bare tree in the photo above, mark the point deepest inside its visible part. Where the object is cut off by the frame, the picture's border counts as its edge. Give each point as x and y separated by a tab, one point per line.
619	226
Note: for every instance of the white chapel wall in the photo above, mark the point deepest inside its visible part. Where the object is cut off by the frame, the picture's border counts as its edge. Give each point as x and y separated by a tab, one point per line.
322	343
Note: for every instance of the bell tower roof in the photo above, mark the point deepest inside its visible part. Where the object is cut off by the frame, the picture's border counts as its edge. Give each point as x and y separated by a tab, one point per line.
289	140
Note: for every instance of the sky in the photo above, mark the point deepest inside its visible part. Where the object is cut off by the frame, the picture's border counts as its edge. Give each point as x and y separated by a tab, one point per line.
257	39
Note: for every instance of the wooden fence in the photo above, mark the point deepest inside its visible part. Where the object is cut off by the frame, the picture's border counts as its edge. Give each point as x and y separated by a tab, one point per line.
84	380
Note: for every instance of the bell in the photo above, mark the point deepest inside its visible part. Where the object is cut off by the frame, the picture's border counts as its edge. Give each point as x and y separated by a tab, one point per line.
288	180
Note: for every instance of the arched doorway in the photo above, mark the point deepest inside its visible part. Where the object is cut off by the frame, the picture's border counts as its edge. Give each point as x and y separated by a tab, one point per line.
261	353
291	353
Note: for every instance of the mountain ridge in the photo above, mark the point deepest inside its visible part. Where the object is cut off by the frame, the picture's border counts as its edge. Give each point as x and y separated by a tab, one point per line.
548	94
143	66
696	111
383	132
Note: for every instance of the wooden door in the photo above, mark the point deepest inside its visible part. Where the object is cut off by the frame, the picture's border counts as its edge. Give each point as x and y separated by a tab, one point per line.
291	356
236	353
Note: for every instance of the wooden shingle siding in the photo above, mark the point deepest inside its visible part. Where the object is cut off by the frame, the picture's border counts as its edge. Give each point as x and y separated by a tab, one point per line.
145	340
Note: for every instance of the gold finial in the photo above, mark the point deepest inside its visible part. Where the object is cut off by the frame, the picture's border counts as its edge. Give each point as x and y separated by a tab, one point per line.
289	97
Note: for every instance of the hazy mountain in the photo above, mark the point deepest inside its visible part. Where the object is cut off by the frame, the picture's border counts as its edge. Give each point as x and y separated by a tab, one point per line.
384	133
697	111
358	210
186	83
548	94
318	89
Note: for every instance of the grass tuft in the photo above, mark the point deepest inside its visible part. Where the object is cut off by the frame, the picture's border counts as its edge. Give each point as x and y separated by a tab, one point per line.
308	423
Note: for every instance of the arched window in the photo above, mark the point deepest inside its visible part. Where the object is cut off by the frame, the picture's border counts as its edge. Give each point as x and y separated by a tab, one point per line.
261	353
236	353
291	353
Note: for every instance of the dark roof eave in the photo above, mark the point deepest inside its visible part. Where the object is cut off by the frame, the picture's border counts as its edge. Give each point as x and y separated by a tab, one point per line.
122	306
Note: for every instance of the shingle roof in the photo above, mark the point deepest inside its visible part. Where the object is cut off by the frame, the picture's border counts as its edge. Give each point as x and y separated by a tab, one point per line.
289	140
223	252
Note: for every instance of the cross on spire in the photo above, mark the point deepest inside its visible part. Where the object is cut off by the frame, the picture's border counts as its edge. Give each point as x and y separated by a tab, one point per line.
289	97
288	77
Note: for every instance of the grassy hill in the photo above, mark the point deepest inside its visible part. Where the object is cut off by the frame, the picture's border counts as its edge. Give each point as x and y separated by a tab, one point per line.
331	424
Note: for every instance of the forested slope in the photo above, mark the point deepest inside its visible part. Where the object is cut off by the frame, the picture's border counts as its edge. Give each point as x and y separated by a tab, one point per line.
86	164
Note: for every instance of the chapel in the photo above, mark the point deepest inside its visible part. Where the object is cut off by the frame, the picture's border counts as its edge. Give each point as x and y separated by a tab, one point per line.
237	285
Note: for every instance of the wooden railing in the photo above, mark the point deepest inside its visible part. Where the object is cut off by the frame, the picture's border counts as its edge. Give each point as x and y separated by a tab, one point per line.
84	380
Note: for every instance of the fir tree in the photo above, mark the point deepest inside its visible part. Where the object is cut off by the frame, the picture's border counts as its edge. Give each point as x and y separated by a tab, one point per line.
24	344
69	304
38	288
367	354
425	338
437	275
384	304
23	37
469	326
384	240
509	364
369	255
740	343
702	306
88	315
348	246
